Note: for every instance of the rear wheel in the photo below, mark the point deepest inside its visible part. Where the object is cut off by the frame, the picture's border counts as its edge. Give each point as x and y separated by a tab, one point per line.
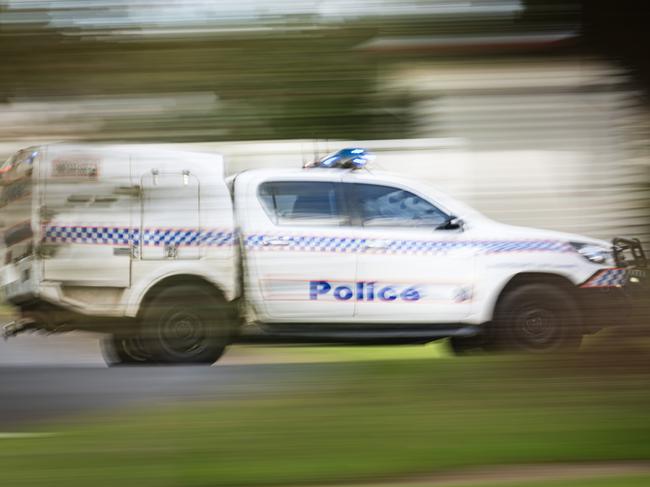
125	350
536	318
186	324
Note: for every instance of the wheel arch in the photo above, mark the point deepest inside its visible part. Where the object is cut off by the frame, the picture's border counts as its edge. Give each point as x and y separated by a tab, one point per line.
177	280
524	278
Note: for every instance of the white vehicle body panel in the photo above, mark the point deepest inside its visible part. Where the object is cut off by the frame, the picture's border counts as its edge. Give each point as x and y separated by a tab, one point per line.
78	187
111	226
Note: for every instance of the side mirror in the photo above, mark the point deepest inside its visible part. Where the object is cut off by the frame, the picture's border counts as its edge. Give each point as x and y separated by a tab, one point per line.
451	223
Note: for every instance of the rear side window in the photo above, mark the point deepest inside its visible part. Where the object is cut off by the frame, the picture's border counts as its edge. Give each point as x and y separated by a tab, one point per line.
304	203
18	233
387	206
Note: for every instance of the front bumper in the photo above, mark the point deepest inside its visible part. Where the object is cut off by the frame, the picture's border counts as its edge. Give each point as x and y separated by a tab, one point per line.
621	305
620	295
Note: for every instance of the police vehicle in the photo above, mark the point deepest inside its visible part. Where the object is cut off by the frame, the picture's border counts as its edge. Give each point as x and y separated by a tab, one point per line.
173	261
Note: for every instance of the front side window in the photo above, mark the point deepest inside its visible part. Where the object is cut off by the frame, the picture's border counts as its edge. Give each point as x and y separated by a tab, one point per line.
303	203
387	206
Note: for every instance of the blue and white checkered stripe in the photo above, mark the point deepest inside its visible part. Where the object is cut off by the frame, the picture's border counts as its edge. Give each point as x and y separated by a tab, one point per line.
607	278
88	235
98	235
186	237
345	244
307	243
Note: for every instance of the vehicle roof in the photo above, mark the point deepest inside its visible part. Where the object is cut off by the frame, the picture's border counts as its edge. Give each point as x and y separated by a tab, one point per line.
331	174
140	149
159	156
274	171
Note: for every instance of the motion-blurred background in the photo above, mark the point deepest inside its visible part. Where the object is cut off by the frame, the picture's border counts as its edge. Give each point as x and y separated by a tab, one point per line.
534	111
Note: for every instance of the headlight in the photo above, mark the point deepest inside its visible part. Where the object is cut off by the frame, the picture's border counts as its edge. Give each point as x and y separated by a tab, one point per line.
595	253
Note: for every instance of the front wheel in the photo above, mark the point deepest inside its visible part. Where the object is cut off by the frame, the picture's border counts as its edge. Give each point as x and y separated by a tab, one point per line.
537	318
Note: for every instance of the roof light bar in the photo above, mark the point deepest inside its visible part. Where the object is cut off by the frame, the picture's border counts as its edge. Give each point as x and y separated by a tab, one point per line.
349	158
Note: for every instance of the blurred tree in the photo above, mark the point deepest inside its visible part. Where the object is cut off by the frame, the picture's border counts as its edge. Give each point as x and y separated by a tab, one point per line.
620	31
295	78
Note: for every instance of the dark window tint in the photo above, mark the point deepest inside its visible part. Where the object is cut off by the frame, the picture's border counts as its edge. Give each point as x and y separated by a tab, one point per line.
18	233
393	207
303	203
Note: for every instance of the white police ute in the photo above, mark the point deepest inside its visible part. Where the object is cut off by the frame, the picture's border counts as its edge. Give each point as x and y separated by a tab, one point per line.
174	262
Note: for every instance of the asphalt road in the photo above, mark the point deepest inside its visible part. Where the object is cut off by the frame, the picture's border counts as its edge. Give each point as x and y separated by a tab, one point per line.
47	378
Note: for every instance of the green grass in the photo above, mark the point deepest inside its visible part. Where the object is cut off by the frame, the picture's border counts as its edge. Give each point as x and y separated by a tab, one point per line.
327	353
354	421
618	481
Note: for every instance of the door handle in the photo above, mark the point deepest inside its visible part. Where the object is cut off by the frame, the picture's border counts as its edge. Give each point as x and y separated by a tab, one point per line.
376	244
122	251
279	242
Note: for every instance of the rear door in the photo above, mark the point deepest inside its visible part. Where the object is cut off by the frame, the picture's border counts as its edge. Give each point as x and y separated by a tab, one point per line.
300	266
170	221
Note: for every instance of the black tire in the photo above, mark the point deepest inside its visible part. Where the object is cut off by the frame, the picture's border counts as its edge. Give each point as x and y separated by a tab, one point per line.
125	350
536	318
186	324
467	345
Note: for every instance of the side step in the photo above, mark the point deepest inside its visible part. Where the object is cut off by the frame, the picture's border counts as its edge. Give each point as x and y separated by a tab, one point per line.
313	333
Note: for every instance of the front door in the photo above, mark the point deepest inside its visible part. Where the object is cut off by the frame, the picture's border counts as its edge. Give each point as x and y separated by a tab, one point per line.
300	264
408	271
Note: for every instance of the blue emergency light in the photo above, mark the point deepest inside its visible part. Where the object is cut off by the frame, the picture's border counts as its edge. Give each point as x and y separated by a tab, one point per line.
351	158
